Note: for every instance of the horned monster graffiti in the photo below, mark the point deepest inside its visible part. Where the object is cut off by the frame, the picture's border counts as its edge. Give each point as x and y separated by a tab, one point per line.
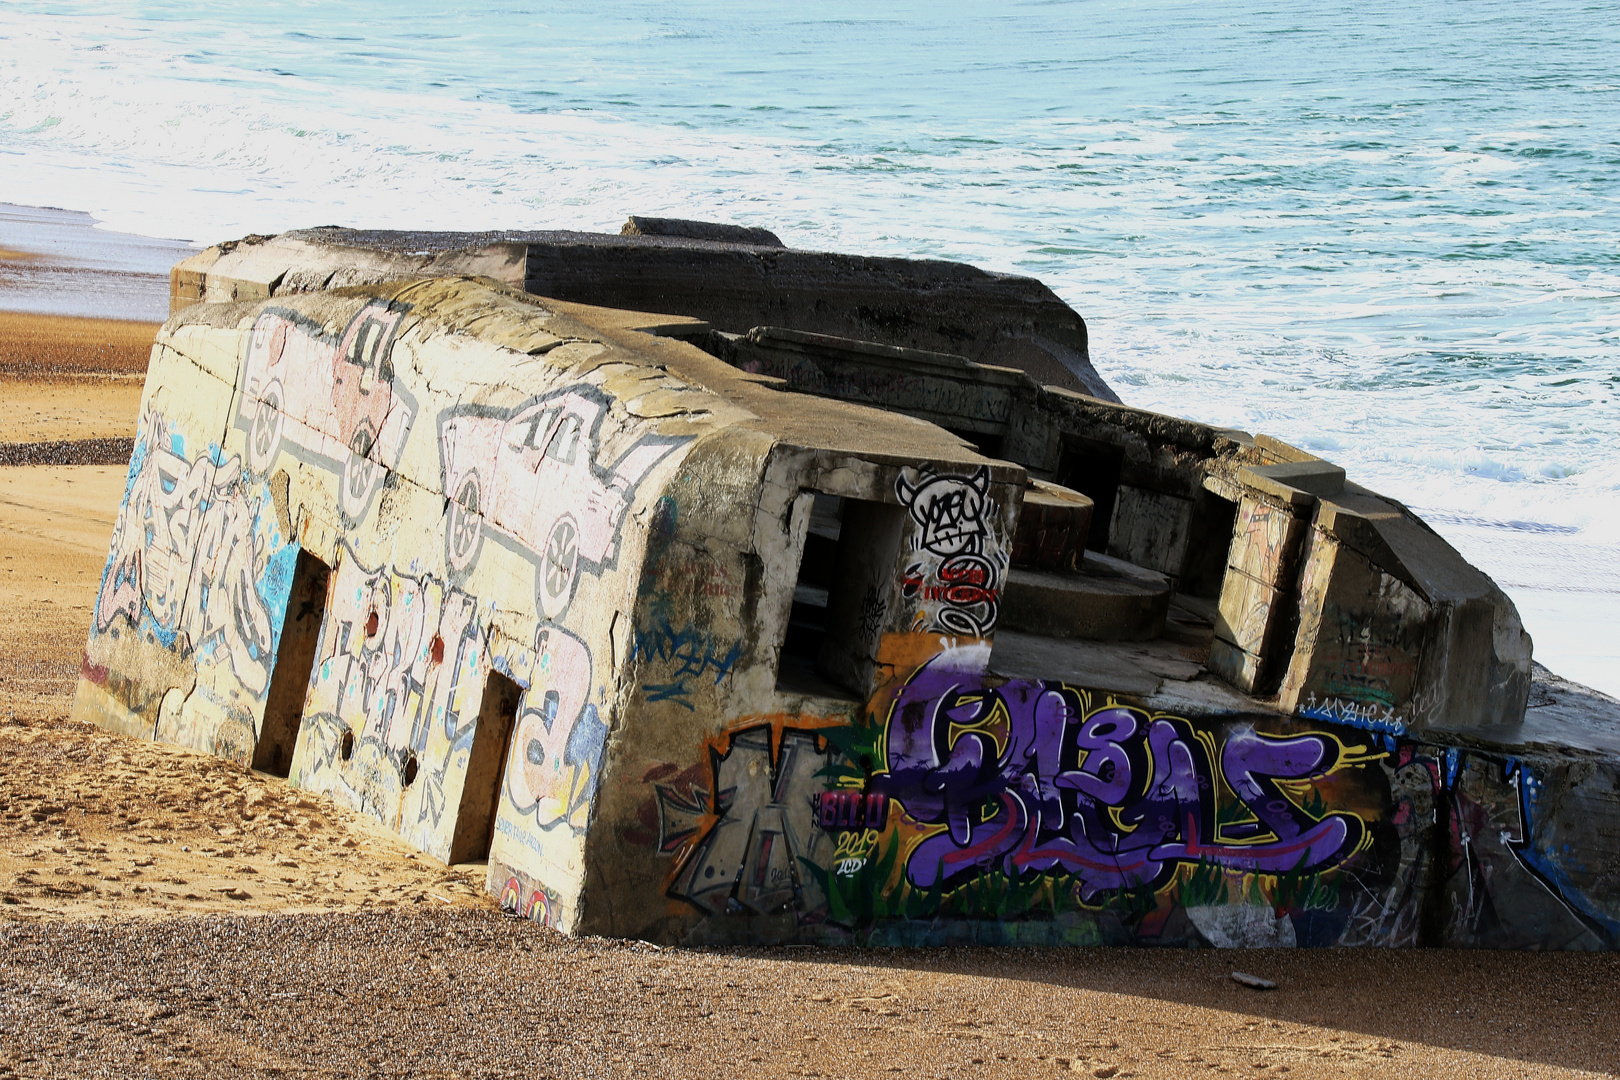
960	564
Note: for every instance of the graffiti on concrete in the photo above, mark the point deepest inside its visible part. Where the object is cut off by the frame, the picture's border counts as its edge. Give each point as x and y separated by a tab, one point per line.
189	551
330	399
856	820
744	840
677	656
842	810
528	899
559	739
1389	913
532	477
120	593
1370	716
950	511
959	565
1376	660
1024	780
397	653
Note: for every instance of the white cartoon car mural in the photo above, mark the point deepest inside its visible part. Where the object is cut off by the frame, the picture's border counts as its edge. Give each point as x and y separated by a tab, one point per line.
347	409
532	475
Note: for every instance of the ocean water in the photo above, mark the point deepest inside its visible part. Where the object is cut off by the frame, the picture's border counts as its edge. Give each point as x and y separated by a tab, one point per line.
1386	232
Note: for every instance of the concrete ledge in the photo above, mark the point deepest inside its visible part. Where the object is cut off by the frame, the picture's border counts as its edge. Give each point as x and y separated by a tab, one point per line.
1105	600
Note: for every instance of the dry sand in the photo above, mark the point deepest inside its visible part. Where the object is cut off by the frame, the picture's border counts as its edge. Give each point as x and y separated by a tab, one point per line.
165	913
69	408
55	526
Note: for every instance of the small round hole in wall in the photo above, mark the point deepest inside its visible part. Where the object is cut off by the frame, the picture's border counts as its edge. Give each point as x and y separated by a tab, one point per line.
372	623
346	746
410	770
437	652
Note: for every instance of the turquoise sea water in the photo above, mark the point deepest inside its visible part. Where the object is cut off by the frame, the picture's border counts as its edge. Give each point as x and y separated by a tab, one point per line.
1386	232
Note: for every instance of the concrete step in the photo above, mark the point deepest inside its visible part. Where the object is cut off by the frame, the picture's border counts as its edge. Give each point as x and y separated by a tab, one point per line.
1052	528
1107	599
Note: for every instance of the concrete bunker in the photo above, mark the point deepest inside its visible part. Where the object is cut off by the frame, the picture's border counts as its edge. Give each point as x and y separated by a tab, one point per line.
700	626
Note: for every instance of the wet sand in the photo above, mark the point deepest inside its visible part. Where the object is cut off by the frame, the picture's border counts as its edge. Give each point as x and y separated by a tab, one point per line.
167	913
58	262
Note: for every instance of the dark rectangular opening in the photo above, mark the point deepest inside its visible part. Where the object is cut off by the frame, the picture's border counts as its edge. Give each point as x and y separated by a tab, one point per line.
1209	543
1092	468
987	443
295	666
840	597
486	770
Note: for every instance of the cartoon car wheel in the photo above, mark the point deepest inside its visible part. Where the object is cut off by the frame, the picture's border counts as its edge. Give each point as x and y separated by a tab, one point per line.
264	436
559	561
359	473
461	542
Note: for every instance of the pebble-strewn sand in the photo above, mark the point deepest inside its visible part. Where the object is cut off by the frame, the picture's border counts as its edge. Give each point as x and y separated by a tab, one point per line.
164	913
434	992
36	345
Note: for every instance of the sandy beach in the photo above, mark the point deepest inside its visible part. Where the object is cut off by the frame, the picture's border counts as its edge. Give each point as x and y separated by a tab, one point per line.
79	308
167	913
43	346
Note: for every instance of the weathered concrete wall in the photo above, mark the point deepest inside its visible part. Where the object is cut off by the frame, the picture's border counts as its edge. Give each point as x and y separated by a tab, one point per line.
966	809
917	303
335	426
690	657
1329	592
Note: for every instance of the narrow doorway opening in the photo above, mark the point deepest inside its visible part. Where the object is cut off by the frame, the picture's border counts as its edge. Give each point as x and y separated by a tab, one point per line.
1209	542
295	666
1093	468
840	597
486	770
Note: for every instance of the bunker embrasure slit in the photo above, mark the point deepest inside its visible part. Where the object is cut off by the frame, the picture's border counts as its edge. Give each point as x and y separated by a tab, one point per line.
486	770
295	666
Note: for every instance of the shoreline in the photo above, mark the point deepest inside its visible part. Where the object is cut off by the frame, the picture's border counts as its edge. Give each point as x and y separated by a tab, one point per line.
56	262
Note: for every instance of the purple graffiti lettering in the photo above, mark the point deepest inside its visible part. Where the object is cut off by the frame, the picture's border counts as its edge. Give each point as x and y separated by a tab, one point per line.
1115	797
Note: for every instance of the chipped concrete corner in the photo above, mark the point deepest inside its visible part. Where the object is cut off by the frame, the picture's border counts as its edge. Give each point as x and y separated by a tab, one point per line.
797	614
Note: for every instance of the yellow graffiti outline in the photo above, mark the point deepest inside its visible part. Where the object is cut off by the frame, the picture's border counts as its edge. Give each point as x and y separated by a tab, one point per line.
998	712
1349	757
